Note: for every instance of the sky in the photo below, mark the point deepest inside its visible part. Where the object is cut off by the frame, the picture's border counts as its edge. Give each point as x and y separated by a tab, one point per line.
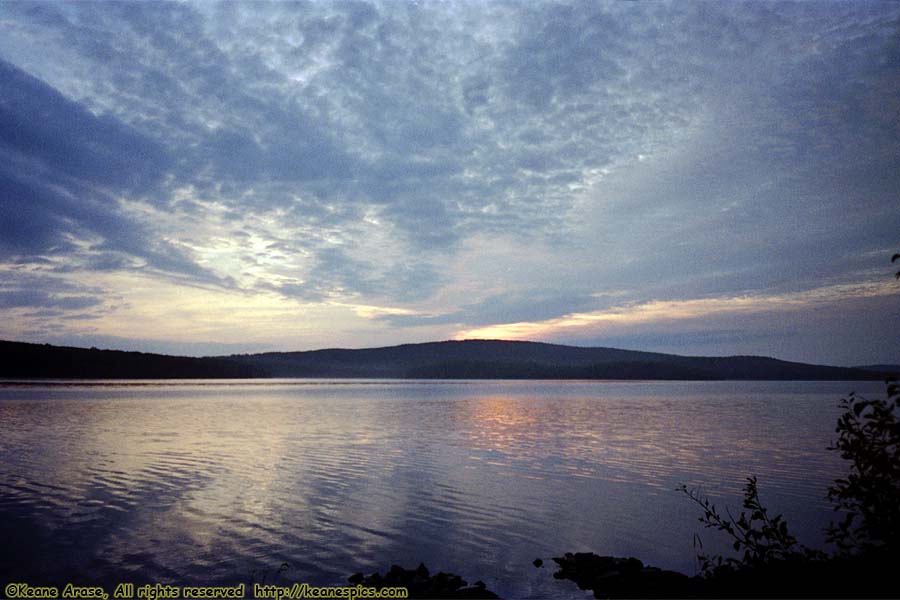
710	178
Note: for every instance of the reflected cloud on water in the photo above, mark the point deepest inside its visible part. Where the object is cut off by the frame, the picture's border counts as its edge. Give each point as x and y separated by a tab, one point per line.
209	484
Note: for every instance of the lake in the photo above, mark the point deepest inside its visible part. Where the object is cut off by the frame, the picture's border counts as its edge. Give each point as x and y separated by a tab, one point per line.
221	482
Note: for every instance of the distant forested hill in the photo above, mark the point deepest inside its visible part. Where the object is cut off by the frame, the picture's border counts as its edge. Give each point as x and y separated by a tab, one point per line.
893	370
471	359
496	359
21	360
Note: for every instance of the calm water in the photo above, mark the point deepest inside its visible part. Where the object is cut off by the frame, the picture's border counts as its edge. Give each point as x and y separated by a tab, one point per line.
217	482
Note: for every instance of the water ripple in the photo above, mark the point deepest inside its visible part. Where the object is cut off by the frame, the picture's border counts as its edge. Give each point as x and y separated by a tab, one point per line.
219	482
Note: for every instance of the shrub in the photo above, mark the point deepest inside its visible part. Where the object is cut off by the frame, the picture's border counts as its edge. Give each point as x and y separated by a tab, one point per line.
764	539
868	437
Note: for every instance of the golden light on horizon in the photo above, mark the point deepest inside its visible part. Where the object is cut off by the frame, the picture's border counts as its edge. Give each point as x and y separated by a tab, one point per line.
660	311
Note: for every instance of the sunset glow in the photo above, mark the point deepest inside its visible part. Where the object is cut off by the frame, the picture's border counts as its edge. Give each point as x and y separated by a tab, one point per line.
207	178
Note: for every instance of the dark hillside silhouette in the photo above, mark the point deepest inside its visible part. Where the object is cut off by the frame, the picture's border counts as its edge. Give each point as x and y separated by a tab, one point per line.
470	359
893	370
21	360
498	359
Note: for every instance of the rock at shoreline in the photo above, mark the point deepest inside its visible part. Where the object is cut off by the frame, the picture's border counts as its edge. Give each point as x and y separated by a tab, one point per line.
870	575
612	577
421	584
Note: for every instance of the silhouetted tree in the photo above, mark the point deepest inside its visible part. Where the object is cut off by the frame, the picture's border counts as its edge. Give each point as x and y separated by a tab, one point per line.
869	437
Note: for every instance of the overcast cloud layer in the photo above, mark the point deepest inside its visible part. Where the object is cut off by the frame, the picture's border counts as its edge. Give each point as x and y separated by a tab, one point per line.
709	178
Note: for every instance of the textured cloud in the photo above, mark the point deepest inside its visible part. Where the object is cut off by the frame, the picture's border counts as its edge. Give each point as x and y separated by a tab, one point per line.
459	165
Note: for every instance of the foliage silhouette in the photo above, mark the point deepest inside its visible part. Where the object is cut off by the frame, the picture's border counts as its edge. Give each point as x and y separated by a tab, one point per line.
763	539
869	437
867	538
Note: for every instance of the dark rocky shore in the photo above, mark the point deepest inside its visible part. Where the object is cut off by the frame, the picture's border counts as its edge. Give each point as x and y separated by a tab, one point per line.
864	576
612	577
421	584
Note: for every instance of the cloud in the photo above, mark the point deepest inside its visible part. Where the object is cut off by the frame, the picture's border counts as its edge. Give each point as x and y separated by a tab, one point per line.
371	115
27	297
361	153
62	172
35	299
532	305
663	314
